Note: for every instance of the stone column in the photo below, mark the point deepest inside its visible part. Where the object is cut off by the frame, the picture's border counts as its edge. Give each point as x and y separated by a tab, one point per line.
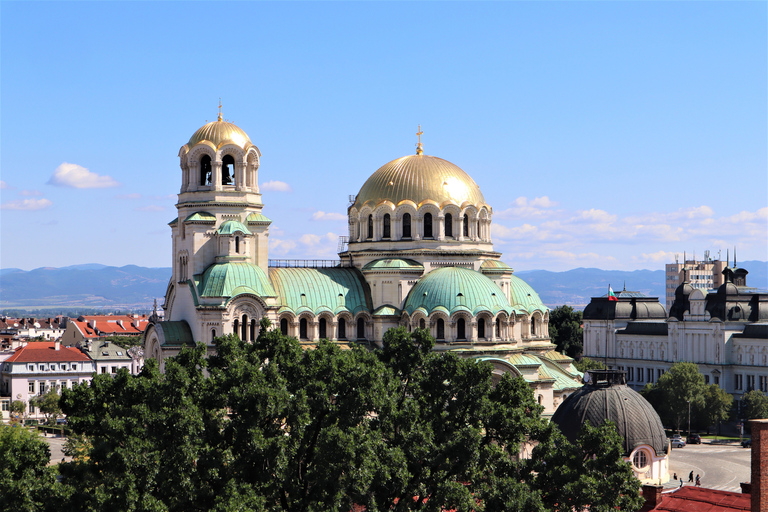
216	169
440	227
193	176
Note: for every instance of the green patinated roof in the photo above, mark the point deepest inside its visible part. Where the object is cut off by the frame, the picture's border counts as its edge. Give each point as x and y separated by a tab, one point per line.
554	355
393	263
562	379
231	227
456	289
257	218
494	265
316	289
234	278
386	310
174	222
201	217
176	333
524	297
521	360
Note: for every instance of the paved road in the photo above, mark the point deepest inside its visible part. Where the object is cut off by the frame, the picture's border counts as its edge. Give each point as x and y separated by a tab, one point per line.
721	467
56	444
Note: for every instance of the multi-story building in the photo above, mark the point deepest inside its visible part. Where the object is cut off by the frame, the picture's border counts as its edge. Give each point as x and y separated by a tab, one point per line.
39	367
725	332
95	327
706	275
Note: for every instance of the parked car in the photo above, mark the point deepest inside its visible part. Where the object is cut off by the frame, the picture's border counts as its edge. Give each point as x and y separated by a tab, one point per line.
746	443
693	439
677	441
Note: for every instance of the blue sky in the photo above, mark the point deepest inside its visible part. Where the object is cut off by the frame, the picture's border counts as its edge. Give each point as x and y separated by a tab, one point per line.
604	134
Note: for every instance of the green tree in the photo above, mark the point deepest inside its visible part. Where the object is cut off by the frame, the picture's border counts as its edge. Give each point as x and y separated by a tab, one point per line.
755	405
48	405
674	391
586	363
17	409
26	481
566	331
716	408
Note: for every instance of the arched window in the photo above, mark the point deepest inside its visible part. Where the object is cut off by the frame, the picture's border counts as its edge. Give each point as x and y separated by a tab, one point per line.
478	231
205	170
236	327
228	170
407	225
533	327
498	327
213	334
481	328
303	329
466	225
342	329
541	399
244	328
440	329
284	326
370	227
427	225
461	329
422	324
448	224
323	334
253	330
640	460
386	233
237	244
360	329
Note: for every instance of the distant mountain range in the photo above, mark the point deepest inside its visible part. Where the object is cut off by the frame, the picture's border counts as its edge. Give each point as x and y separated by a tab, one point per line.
135	288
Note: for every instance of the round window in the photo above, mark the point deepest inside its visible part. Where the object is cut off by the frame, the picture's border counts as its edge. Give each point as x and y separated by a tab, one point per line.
640	460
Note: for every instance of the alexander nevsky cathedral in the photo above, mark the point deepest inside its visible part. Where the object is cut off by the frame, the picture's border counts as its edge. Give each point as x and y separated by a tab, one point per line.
418	255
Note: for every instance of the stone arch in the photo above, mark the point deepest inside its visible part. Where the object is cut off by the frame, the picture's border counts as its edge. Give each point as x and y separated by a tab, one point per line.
399	217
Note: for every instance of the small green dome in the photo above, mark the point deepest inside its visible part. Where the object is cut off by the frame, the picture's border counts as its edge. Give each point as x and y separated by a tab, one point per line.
235	278
231	227
456	289
524	297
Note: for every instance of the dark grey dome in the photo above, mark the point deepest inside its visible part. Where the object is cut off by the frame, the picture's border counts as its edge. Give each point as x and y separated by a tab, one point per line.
607	397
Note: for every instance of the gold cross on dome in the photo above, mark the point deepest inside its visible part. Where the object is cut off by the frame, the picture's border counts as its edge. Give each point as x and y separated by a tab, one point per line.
220	109
419	147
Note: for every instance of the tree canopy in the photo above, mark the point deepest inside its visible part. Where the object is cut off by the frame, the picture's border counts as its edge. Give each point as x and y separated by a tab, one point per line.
565	330
586	363
672	393
270	426
754	405
48	405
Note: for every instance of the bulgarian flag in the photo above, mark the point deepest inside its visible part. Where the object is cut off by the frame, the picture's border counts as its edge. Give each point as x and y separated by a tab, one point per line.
611	295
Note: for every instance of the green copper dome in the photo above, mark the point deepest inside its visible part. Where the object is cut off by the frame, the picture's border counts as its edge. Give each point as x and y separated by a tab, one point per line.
235	278
231	227
524	297
334	290
454	289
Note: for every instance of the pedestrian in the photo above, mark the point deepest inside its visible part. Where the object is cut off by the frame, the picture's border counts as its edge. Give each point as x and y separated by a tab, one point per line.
698	481
690	477
681	481
675	477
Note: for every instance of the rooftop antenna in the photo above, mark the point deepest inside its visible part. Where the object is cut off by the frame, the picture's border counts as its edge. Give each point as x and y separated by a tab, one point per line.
727	258
419	147
734	257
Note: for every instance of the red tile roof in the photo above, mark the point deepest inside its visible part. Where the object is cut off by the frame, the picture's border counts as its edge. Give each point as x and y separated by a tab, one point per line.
45	352
106	325
701	499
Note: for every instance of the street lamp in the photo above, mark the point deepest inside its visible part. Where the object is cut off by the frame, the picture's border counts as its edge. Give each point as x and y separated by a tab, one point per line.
689	418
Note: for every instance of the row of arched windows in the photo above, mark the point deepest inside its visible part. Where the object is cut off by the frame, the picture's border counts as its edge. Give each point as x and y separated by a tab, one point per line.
428	230
461	328
322	328
247	330
227	170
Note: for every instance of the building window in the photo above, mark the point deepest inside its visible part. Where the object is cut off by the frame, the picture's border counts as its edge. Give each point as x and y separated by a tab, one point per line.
717	379
237	244
739	382
387	227
213	334
236	327
303	329
114	369
461	329
630	374
284	326
32	387
422	324
323	334
750	382
448	224
649	371
640	460
227	170
104	369
427	225
253	329
465	226
31	367
6	405
43	388
360	329
481	328
440	329
763	383
342	329
205	170
498	327
244	328
639	375
407	225
370	227
706	380
659	373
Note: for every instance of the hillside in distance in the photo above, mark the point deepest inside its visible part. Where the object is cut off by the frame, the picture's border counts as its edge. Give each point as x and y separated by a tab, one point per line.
133	287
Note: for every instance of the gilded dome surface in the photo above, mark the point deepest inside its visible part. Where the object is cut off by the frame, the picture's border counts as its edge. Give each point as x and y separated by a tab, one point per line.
419	178
218	132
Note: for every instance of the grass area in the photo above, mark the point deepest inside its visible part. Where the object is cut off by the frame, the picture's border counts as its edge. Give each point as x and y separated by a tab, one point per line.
723	438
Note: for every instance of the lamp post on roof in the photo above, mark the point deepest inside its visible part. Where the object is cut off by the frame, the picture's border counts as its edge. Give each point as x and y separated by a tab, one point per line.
689	418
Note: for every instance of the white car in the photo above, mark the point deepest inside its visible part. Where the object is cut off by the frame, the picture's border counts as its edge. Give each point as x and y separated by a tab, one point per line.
677	441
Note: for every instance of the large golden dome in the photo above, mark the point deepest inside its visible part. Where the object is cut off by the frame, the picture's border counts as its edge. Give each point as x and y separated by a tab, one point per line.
220	132
419	178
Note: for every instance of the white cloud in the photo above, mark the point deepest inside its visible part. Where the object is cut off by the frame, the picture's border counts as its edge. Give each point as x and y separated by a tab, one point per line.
321	215
315	240
276	186
523	208
26	204
150	208
280	247
76	176
30	193
134	195
656	257
3	185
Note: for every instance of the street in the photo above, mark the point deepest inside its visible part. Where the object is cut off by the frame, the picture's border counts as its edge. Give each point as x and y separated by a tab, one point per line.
721	467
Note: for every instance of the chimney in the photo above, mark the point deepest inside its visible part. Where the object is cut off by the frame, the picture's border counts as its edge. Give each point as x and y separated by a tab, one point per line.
57	345
652	495
759	465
